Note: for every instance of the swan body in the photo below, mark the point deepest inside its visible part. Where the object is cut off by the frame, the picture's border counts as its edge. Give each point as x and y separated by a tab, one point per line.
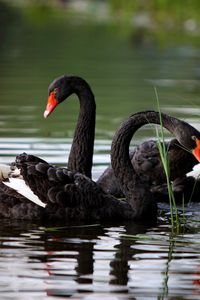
71	195
147	163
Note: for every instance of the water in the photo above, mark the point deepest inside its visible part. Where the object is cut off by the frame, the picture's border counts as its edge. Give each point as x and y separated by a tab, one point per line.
88	260
95	261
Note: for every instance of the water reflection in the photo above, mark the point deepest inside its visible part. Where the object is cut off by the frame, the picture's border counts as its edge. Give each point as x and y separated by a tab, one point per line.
86	259
94	260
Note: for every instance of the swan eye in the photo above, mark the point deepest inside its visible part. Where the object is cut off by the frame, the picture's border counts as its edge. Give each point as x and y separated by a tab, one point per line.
193	137
55	91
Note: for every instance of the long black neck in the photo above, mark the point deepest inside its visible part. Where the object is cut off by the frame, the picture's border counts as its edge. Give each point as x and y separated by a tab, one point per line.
120	160
81	154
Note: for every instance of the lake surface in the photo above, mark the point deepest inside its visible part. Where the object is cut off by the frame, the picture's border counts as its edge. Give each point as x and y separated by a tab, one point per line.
106	260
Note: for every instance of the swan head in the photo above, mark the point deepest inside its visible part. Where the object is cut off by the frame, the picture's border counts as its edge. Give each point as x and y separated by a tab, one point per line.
60	89
56	94
189	137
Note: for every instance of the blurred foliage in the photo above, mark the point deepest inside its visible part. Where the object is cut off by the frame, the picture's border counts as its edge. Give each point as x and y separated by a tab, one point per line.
142	21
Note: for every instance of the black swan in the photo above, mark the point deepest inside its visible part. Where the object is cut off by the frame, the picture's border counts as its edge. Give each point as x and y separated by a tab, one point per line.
71	195
81	153
186	135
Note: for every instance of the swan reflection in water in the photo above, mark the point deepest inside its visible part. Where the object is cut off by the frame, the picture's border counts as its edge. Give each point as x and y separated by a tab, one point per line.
82	260
129	259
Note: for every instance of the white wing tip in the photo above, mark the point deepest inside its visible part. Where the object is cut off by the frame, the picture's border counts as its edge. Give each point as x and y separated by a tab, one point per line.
20	186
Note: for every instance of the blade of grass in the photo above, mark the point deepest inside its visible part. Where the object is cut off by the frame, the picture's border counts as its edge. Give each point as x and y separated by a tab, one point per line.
166	165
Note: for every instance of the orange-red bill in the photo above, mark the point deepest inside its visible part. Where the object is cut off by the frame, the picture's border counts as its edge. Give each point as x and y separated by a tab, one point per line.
196	151
51	104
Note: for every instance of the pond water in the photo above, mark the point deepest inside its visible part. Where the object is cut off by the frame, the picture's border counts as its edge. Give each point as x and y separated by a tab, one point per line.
88	260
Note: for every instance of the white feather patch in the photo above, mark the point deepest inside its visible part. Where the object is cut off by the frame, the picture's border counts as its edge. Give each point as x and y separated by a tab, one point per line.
195	172
20	186
4	171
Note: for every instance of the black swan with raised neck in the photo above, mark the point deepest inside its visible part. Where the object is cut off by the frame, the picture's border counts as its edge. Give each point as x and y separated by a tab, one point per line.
69	195
147	163
186	136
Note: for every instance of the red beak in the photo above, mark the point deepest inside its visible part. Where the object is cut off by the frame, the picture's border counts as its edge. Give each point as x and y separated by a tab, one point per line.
51	104
196	151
